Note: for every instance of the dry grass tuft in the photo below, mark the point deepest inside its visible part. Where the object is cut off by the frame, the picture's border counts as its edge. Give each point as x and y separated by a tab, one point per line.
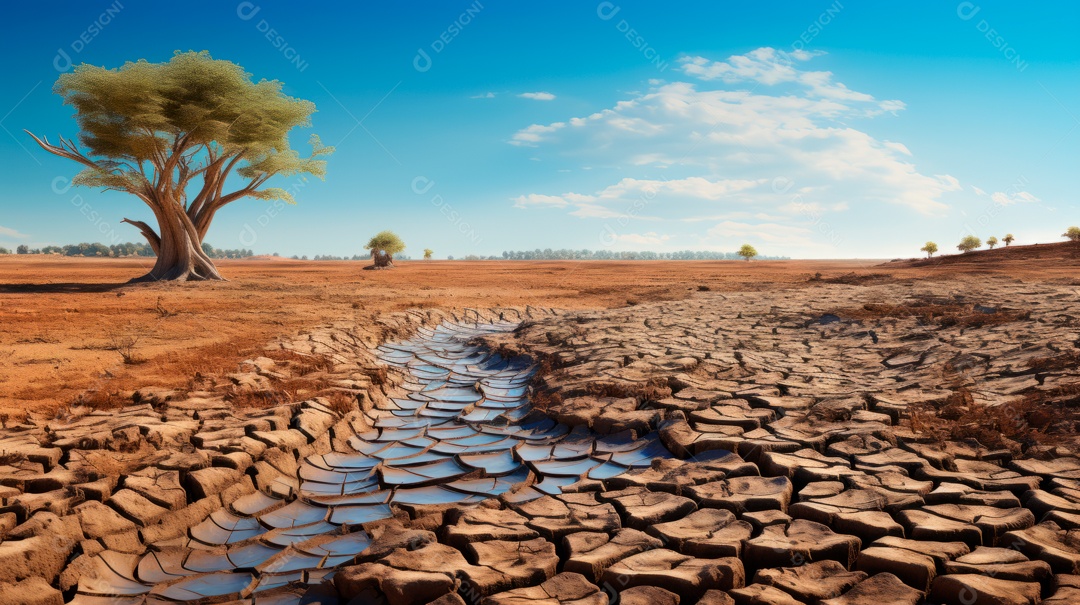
1048	417
301	364
854	279
545	399
936	312
125	343
1054	363
8	458
342	403
378	375
102	399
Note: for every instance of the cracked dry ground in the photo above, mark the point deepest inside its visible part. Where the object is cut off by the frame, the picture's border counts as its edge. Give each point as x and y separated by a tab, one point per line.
907	442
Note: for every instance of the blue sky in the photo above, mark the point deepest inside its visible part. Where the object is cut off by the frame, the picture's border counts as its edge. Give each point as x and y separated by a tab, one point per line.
809	129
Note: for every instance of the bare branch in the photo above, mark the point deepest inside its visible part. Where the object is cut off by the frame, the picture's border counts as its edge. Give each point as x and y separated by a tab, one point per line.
65	150
148	232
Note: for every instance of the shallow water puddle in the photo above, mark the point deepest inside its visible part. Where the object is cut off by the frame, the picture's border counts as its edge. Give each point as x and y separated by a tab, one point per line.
462	432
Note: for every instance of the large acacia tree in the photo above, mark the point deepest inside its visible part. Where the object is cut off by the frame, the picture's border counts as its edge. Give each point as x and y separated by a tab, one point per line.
172	134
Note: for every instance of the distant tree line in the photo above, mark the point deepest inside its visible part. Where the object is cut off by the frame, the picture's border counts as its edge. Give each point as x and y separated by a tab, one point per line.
353	257
119	250
213	252
569	254
138	249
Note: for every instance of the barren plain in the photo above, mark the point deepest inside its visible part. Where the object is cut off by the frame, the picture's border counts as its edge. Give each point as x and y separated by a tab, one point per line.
815	432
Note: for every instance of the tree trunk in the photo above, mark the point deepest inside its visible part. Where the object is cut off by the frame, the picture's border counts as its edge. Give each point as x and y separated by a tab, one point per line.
382	260
180	256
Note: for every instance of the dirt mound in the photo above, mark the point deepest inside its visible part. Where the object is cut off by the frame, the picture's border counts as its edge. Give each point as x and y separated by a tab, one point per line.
1041	255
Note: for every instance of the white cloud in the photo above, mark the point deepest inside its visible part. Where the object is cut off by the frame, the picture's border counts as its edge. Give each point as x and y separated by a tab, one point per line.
9	232
773	67
977	190
538	96
765	232
641	198
897	146
537	199
715	137
552	201
486	95
693	187
1014	197
534	134
641	239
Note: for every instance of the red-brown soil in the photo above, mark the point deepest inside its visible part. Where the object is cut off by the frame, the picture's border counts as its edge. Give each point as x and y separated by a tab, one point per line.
62	319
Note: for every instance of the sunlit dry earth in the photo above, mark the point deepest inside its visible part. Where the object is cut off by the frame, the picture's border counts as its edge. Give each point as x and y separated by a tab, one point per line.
741	416
62	319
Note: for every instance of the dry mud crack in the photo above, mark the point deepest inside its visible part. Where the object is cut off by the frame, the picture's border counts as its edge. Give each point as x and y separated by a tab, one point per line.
816	445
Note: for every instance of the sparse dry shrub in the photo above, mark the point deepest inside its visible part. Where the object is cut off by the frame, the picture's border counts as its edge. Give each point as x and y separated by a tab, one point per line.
1046	417
125	342
935	311
342	403
852	278
545	399
378	375
654	389
1053	363
257	399
7	458
299	363
162	312
102	399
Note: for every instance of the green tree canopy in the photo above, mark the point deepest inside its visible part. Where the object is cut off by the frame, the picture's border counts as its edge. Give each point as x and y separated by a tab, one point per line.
747	251
154	129
1008	239
1073	233
992	241
383	246
969	243
930	249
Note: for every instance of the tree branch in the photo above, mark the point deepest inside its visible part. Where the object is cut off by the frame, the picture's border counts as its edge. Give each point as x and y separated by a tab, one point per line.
148	232
212	185
65	150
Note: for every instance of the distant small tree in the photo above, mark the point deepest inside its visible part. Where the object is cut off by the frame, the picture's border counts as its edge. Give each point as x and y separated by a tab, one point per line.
992	241
1008	239
969	243
747	251
23	249
930	249
4	250
427	253
1073	233
383	246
